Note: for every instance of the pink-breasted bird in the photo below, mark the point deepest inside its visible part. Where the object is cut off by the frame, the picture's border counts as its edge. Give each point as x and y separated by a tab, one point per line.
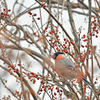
66	68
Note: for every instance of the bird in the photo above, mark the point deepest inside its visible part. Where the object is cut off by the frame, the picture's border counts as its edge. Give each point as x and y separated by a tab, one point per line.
66	67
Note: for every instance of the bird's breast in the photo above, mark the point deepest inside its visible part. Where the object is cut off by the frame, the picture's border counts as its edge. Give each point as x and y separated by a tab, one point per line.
64	70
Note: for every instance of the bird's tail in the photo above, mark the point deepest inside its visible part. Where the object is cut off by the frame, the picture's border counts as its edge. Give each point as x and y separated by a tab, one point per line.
87	81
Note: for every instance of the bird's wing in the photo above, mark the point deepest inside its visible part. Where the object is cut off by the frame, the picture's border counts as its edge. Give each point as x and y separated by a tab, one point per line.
68	63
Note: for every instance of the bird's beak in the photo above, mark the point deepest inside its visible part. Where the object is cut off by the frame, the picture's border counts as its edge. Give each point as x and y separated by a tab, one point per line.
52	56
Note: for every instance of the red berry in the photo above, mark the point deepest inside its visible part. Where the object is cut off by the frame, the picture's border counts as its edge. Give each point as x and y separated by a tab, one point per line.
84	36
46	28
4	63
84	88
74	80
52	46
95	20
8	66
75	58
9	70
93	34
65	46
58	90
58	49
86	58
94	17
43	86
45	47
51	32
96	36
14	70
93	29
29	77
34	33
38	78
97	31
69	71
85	45
59	75
64	39
83	60
40	90
1	13
96	78
34	81
28	74
10	73
57	36
44	89
38	18
55	44
54	93
90	33
76	65
51	89
32	73
85	40
12	65
9	10
68	97
82	46
44	6
4	9
55	26
66	42
19	64
42	82
89	51
23	78
17	69
30	12
6	14
35	15
56	40
72	42
1	45
49	39
39	93
73	53
90	23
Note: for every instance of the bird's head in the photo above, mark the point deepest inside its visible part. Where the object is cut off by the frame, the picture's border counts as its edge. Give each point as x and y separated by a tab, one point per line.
55	55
